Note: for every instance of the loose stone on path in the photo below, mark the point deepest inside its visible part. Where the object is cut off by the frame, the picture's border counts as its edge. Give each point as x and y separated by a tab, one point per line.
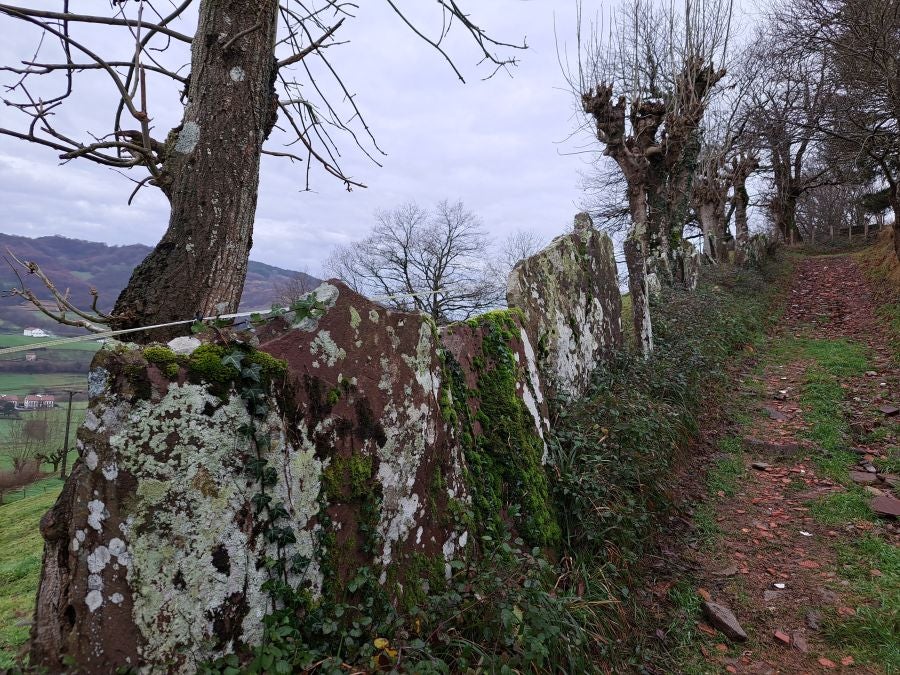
724	619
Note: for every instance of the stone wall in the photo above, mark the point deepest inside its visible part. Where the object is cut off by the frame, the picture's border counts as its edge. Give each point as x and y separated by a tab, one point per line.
344	437
569	296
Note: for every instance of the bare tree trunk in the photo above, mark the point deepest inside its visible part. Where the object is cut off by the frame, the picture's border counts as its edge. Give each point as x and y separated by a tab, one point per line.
211	171
895	207
636	262
741	229
711	227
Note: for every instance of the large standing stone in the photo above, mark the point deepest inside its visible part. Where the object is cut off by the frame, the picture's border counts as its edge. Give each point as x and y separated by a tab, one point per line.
688	265
155	556
502	420
569	296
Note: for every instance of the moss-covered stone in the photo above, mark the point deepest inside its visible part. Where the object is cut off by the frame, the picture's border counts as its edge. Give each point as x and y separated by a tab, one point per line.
348	478
206	365
503	448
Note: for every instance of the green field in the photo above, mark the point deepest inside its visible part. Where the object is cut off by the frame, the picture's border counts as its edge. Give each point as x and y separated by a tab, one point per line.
56	417
25	383
17	339
21	548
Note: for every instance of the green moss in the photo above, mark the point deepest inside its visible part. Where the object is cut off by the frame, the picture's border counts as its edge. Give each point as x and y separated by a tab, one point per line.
271	367
206	364
349	478
135	371
163	358
504	459
334	395
424	577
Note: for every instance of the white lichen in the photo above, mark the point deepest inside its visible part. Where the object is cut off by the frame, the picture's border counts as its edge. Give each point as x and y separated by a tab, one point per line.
97	513
325	346
188	138
94	600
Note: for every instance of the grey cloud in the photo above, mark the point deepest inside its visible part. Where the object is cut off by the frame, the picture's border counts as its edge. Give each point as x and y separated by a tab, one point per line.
493	144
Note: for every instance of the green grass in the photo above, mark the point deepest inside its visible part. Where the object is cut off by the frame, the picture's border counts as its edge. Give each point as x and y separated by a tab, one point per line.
17	340
683	637
840	358
56	415
840	508
50	484
822	395
726	472
871	634
21	548
28	383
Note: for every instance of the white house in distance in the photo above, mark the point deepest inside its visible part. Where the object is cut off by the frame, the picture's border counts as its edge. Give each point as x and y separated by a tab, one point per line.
36	401
35	332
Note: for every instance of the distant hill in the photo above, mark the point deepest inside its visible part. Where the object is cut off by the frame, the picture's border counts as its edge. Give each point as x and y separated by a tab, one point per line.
78	265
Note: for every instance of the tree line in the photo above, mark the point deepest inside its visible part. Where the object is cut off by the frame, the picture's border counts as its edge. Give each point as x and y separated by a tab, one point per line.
687	116
693	126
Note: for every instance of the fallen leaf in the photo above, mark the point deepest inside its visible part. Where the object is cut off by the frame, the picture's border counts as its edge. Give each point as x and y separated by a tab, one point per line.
827	663
847	661
703	628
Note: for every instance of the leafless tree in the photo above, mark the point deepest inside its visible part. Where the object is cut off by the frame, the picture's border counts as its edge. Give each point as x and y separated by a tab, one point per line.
862	43
254	78
517	246
433	262
788	107
23	442
296	287
644	90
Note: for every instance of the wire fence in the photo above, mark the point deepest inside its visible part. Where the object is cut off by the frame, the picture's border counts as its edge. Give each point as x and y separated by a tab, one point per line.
39	487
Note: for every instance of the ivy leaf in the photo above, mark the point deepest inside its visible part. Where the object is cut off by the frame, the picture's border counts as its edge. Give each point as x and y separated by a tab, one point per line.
261	500
233	359
252	372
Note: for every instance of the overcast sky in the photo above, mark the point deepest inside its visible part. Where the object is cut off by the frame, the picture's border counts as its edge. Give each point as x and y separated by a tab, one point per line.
499	145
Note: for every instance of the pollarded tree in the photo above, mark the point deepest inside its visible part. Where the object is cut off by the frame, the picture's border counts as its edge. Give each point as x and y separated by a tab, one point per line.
434	262
247	71
645	90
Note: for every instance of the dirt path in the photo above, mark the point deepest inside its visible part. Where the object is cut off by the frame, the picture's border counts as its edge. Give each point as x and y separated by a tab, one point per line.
786	538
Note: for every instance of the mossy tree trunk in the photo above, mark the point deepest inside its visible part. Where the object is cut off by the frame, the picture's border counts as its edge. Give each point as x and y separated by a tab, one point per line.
211	171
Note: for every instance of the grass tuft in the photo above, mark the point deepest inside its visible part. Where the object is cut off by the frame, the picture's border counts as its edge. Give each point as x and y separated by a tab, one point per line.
21	548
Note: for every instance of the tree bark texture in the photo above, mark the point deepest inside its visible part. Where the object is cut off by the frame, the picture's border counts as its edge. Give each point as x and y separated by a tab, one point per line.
636	262
741	229
211	171
895	207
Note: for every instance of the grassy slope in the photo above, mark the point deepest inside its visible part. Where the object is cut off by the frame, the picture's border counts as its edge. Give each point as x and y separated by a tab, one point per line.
26	383
20	565
881	266
17	339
